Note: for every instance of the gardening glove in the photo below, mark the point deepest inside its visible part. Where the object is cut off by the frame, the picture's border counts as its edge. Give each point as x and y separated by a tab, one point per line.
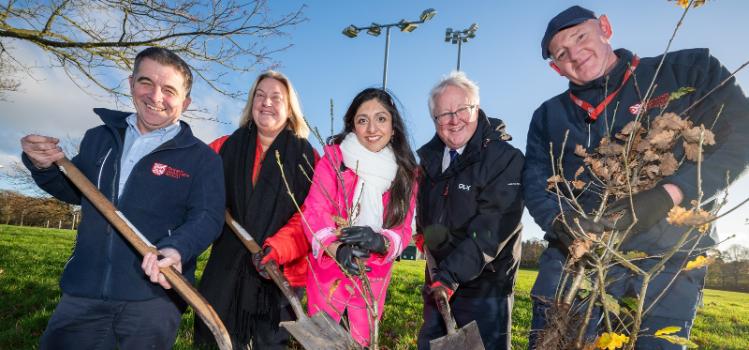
649	206
419	241
566	233
346	256
269	254
365	238
257	261
437	287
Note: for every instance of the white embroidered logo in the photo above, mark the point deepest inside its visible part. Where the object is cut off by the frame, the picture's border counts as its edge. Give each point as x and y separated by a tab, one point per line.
464	187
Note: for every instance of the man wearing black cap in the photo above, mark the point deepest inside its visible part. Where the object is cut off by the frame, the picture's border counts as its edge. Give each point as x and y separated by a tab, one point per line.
605	93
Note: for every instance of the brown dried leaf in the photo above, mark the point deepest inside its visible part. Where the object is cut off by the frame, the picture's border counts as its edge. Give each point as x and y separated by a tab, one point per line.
608	148
668	164
339	221
613	164
641	147
598	168
669	121
633	126
650	156
709	138
577	184
692	135
580	151
661	139
579	171
550	182
333	288
680	216
651	171
692	151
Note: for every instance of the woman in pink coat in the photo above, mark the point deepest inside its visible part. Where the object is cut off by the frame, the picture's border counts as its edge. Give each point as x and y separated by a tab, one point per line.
365	188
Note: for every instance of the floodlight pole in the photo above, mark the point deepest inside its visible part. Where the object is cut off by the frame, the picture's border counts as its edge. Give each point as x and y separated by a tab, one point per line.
387	51
459	37
460	45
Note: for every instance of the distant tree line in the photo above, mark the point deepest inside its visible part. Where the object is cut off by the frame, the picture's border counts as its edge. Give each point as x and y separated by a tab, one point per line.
730	271
22	210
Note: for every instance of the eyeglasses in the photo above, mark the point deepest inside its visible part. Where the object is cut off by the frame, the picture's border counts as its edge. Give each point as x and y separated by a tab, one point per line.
463	114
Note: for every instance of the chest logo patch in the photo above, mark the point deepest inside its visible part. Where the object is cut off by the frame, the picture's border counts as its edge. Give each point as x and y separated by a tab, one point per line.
658	102
464	187
159	169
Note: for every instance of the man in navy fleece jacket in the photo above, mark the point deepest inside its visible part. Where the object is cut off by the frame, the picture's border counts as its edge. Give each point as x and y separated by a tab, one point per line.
165	181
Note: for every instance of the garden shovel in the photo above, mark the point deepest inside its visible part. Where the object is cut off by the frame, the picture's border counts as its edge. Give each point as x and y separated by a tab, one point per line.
143	246
316	332
466	337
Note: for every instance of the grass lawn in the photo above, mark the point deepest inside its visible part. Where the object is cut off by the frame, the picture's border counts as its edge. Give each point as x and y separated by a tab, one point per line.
31	260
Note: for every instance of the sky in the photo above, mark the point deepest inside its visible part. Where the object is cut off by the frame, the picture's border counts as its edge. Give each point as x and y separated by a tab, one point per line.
504	59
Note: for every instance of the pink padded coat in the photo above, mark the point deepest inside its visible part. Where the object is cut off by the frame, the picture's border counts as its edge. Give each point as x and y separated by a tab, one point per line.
328	289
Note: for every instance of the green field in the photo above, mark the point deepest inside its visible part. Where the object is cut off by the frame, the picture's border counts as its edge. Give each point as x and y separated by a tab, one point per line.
31	260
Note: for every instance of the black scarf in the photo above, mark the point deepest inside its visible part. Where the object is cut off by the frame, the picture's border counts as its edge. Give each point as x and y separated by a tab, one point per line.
261	209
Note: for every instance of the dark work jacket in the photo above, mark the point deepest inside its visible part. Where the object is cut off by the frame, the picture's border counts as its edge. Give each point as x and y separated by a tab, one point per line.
687	68
174	197
479	199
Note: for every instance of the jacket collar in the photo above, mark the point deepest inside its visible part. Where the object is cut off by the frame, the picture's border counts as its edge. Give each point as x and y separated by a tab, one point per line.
596	87
118	120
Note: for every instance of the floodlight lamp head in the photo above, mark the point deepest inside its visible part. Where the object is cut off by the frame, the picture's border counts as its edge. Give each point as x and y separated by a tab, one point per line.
406	26
374	30
427	14
351	31
473	28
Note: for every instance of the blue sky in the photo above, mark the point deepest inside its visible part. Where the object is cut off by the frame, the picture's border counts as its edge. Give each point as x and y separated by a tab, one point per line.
504	59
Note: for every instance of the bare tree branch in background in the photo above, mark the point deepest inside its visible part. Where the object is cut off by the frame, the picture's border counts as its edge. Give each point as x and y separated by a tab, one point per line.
7	82
90	39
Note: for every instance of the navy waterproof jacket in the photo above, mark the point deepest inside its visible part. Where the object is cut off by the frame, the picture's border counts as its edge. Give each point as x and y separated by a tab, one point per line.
694	68
479	199
174	197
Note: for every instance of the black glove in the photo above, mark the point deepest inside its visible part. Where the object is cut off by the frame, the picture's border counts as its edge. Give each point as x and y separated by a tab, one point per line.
365	238
650	207
346	256
564	232
257	259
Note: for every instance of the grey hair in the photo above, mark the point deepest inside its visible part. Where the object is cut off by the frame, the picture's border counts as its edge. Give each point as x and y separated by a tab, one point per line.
459	80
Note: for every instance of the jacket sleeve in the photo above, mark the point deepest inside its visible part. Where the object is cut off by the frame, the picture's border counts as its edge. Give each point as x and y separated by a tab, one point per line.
204	218
730	153
542	204
53	181
319	207
500	207
398	236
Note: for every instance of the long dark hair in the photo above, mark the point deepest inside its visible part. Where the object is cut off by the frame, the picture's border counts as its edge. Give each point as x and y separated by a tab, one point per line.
402	186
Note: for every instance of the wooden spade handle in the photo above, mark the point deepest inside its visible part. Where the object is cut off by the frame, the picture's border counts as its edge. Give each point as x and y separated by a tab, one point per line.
441	298
178	282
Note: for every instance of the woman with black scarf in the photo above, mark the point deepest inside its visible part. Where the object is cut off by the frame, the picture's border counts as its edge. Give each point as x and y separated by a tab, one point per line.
249	304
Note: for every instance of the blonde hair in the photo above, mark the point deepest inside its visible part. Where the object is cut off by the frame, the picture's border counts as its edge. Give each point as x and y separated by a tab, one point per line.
459	80
296	122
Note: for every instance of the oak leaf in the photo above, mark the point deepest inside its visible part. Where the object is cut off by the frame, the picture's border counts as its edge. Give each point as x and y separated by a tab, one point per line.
668	164
580	151
577	184
611	341
650	156
699	262
669	121
692	151
661	140
692	135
